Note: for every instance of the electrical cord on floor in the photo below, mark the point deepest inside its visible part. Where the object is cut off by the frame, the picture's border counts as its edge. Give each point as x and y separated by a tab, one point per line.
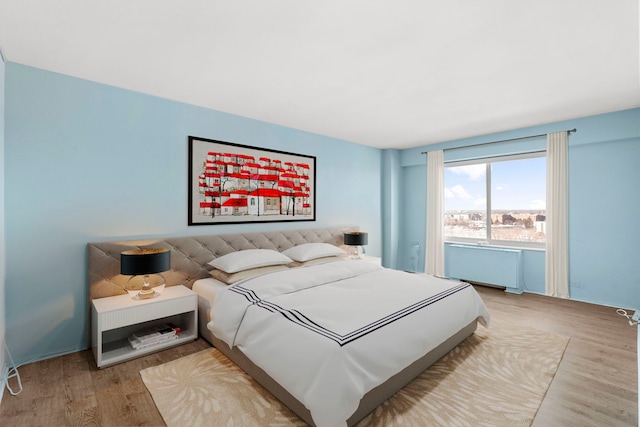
13	372
633	319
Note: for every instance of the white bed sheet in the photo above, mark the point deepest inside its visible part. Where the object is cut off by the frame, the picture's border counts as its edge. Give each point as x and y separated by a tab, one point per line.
207	289
317	330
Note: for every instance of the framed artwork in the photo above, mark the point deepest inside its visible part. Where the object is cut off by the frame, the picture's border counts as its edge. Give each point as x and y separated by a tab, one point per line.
234	183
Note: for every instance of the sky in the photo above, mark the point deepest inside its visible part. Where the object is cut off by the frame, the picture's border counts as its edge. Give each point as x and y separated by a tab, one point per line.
516	185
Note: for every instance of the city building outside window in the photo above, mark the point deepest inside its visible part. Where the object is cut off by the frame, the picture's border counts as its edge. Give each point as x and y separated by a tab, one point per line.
496	201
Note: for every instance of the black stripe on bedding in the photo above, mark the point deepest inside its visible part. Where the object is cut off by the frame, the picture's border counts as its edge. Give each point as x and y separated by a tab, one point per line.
247	293
300	319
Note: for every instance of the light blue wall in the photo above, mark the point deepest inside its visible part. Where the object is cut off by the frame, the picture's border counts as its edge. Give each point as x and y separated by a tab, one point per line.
88	162
604	200
2	231
391	192
413	226
603	205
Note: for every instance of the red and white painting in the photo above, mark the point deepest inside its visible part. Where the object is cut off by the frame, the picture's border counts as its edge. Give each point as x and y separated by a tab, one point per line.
233	183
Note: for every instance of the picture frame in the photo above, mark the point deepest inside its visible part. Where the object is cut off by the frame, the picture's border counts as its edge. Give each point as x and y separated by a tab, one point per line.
232	183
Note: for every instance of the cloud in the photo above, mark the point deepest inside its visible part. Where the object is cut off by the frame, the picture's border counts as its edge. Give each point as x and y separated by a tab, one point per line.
457	192
473	172
499	187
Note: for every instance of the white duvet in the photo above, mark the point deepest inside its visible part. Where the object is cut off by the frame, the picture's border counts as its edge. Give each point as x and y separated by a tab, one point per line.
329	333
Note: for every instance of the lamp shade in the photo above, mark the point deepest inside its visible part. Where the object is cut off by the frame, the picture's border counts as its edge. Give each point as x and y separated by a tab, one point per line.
356	238
145	261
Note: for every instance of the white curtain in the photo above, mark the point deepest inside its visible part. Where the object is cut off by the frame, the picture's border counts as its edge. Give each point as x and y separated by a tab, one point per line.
434	253
557	235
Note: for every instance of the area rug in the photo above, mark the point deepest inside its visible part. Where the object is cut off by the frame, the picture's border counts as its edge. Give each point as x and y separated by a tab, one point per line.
496	377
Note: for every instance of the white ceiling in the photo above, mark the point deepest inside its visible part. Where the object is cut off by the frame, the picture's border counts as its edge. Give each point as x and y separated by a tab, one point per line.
384	73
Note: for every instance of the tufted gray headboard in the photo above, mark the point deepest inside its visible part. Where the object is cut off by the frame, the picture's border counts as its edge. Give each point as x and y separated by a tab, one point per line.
190	255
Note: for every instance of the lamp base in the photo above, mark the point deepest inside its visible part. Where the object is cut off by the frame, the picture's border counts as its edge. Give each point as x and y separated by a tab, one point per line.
151	286
353	252
139	294
146	293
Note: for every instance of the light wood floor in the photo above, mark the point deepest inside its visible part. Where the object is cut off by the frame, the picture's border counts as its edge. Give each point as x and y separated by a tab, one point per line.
596	383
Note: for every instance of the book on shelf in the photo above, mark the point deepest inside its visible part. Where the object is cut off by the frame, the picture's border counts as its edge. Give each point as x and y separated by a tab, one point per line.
139	346
153	336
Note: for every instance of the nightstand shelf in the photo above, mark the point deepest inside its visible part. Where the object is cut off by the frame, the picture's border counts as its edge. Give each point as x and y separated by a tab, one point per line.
114	319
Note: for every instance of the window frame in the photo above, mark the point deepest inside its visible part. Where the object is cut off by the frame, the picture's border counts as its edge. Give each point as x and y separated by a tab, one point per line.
488	161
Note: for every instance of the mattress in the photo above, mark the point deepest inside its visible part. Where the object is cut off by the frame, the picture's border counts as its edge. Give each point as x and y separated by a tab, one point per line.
207	290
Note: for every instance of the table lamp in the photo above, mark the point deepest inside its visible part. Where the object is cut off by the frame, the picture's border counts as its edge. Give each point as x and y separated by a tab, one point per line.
353	240
145	262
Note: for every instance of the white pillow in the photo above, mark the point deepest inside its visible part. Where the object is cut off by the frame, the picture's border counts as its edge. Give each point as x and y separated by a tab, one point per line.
249	258
315	261
231	278
308	251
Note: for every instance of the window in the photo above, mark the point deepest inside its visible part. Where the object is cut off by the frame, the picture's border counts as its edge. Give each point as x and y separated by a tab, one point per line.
500	200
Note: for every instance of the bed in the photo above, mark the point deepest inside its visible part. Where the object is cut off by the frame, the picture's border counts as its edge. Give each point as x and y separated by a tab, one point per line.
271	325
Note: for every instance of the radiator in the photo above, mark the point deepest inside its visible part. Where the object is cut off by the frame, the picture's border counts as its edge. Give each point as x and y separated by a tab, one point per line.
494	266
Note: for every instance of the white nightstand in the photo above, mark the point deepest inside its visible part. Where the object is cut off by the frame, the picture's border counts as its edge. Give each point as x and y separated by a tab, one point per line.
114	319
371	259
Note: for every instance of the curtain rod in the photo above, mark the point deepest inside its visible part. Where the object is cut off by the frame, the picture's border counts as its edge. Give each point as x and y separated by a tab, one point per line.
504	140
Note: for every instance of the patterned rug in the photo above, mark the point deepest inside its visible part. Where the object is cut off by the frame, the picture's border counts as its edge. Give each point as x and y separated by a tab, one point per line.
497	377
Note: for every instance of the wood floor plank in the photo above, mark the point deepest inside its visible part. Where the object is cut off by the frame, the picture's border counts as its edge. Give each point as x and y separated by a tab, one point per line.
596	383
597	380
